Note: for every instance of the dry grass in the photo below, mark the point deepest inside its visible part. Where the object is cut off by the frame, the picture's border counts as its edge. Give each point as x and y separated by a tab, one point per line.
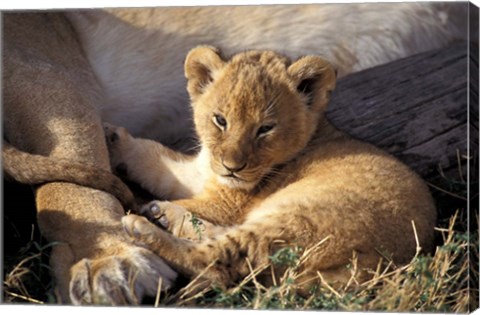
27	278
438	283
446	281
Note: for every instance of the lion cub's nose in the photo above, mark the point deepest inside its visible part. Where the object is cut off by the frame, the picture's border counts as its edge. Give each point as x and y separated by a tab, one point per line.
232	167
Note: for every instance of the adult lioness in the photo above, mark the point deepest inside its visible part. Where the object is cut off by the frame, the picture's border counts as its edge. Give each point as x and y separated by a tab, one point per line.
34	169
64	72
272	172
137	53
50	101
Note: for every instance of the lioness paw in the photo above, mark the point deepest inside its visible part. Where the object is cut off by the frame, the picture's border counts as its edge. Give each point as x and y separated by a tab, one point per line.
120	280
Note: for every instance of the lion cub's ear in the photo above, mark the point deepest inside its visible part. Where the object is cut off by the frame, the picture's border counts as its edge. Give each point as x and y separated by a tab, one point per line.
315	78
200	64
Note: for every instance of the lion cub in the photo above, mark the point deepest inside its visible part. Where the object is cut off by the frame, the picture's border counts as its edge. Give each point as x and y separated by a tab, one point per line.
272	172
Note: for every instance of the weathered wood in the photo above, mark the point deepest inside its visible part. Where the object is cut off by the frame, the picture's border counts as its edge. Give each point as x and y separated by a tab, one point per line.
415	108
473	112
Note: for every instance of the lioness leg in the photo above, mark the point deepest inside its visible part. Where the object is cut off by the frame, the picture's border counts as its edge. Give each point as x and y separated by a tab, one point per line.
50	100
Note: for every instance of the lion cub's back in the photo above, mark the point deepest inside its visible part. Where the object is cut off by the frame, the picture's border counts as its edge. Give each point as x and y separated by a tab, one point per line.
373	184
360	195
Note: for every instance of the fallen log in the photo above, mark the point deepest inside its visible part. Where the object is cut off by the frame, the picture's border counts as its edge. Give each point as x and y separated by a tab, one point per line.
415	108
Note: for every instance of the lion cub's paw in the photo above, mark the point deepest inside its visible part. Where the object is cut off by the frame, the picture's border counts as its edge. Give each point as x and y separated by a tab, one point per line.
119	143
164	214
122	279
143	232
173	218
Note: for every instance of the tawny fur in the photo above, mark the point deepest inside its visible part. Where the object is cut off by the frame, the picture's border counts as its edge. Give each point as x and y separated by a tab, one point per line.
144	84
35	169
50	96
63	73
273	172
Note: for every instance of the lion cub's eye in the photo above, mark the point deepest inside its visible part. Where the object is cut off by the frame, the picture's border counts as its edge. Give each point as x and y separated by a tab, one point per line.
220	121
263	130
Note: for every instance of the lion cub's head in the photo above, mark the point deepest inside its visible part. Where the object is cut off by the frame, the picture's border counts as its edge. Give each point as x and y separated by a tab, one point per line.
256	110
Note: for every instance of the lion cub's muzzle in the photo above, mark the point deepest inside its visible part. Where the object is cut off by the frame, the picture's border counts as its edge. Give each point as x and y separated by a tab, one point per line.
238	176
232	169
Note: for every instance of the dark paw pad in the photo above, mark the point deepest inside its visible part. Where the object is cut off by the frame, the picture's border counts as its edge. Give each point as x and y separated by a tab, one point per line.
121	170
154	214
113	137
163	222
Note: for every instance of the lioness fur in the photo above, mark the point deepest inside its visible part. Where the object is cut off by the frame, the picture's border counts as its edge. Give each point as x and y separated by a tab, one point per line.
50	99
65	72
35	169
143	81
272	172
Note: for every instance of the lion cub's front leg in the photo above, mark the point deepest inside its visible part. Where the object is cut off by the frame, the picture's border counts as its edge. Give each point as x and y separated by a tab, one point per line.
179	221
222	260
190	258
161	171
